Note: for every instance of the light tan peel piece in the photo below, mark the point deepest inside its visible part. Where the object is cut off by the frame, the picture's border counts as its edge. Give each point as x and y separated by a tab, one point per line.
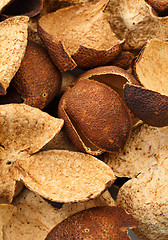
151	67
65	176
84	37
6	211
35	217
142	151
146	198
13	41
24	130
135	21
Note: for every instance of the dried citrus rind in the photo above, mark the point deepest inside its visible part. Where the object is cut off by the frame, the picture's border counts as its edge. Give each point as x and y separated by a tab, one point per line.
84	37
29	8
148	100
141	152
135	21
146	198
30	128
13	41
24	130
35	217
95	117
6	211
65	176
159	5
102	222
38	80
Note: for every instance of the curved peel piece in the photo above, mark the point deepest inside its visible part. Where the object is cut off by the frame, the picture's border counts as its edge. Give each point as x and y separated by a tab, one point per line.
149	106
141	152
29	8
146	198
84	37
6	211
65	176
99	222
135	21
26	128
13	41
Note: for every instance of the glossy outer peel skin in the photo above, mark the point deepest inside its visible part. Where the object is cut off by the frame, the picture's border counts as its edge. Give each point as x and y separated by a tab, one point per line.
38	80
96	112
84	37
149	106
109	223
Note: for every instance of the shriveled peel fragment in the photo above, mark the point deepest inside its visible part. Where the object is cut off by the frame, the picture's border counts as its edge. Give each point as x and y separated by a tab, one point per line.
35	217
146	198
84	37
3	3
13	41
65	176
95	223
6	211
135	21
158	5
142	151
24	131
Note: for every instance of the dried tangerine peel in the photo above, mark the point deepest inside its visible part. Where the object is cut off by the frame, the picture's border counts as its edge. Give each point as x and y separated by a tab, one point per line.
102	222
38	80
30	8
135	21
6	211
158	5
3	3
84	36
24	130
146	198
35	217
142	151
151	67
13	41
65	176
97	114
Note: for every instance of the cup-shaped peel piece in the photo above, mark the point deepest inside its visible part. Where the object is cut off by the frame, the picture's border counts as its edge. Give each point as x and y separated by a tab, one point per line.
79	35
159	5
38	80
96	118
95	223
149	99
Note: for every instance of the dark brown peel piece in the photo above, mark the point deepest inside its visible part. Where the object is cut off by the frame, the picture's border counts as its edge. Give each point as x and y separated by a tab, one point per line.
158	5
84	37
148	105
98	112
28	8
108	223
38	80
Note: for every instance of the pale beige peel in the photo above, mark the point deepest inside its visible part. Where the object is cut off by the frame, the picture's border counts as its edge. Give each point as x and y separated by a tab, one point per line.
13	41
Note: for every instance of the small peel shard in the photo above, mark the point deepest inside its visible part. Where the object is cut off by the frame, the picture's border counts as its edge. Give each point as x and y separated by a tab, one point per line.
13	41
